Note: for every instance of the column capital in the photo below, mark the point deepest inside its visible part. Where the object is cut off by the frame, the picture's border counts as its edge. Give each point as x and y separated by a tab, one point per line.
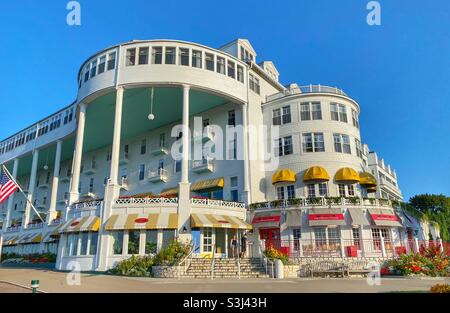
120	87
186	86
83	107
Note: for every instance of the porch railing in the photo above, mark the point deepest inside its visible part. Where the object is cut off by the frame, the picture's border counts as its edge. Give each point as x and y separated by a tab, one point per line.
222	203
146	201
342	247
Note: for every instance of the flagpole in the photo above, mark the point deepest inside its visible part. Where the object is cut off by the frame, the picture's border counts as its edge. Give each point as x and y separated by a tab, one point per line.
21	190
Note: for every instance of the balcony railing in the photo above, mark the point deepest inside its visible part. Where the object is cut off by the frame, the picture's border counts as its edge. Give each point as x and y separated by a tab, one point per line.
204	165
159	175
144	201
86	205
325	202
310	89
220	203
159	150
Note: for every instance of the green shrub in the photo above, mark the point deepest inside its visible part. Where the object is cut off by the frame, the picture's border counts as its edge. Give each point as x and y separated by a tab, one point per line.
172	254
444	288
136	266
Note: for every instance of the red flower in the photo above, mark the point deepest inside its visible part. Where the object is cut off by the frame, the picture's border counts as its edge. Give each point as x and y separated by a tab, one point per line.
384	271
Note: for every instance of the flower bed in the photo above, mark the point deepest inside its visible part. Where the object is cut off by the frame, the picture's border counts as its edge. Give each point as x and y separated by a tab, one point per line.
29	258
272	254
429	262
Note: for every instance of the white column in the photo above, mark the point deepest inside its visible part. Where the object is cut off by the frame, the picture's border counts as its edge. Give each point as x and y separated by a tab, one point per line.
55	184
184	201
246	191
116	137
7	221
31	186
78	154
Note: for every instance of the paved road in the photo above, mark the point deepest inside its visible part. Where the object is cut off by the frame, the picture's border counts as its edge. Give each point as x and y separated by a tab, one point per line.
52	281
8	288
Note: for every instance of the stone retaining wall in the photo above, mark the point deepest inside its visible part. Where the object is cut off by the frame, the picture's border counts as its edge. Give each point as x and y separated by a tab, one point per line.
167	271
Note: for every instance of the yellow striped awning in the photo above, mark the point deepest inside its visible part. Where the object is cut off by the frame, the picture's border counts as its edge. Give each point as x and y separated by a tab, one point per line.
34	237
142	221
48	237
208	184
316	173
347	175
218	221
80	224
284	176
367	179
173	191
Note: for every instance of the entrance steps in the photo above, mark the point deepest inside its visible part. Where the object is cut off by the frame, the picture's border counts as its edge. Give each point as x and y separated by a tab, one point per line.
225	268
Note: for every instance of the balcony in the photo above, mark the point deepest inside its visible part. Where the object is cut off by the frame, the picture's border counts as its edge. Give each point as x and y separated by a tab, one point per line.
124	183
159	150
205	136
160	175
64	199
324	202
203	166
124	158
90	170
66	178
89	195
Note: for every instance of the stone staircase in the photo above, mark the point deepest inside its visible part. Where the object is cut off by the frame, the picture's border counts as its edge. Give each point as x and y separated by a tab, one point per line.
225	268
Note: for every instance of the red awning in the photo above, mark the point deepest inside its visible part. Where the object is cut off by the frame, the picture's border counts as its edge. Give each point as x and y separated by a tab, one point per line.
384	217
326	217
266	219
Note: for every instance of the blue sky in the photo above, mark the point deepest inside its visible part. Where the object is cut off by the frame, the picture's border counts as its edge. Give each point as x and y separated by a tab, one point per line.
399	72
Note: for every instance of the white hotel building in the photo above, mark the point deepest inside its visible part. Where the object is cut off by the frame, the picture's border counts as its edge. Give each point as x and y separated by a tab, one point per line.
101	170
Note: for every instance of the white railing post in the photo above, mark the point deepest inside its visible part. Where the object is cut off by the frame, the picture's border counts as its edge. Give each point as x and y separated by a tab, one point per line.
416	245
440	245
383	248
300	247
342	248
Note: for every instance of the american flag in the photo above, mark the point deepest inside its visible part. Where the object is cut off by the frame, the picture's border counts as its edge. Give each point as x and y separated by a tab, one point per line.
7	187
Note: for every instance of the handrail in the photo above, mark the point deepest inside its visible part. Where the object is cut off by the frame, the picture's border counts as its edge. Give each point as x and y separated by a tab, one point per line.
265	260
239	259
185	260
213	262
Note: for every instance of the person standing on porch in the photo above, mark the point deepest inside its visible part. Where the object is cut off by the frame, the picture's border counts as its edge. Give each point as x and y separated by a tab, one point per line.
243	245
234	246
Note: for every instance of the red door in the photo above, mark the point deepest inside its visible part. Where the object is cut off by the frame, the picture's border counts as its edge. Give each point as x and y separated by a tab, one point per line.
271	237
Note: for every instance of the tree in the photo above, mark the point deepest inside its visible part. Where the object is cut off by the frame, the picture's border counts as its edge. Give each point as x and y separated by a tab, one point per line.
435	207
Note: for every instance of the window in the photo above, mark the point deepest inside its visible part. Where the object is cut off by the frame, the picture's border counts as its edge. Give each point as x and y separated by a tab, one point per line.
168	235
47	178
233	181
151	240
337	143
108	156
111	61
93	244
242	54
44	200
290	191
178	166
143	55
234	195
351	190
207	240
83	243
257	86
355	119
86	72
117	242
91	185
231	69
346	144
184	56
341	188
162	140
133	241
240	74
356	237
276	117
74	244
334	112
323	189
170	55
313	142
156	55
220	65
196	58
253	83
358	148
131	57
311	190
143	146
286	114
305	113
141	172
231	118
280	193
209	61
93	68
283	146
342	113
102	64
310	111
316	111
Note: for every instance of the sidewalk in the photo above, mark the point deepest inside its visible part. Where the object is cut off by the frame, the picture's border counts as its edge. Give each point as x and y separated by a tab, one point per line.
52	281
